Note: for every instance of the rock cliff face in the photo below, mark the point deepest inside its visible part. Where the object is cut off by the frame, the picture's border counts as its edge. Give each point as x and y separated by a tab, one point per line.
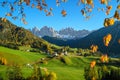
47	31
71	33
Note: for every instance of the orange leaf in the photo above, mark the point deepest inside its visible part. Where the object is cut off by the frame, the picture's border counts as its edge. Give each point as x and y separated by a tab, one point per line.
92	64
63	12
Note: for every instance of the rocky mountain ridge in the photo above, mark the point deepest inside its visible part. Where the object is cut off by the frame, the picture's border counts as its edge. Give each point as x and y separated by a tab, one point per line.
67	33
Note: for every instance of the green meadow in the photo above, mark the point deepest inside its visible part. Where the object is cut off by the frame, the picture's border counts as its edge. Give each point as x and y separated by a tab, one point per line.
72	68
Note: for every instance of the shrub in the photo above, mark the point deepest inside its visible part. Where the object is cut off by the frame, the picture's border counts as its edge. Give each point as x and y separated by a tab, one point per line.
66	60
91	73
3	61
35	50
102	73
37	73
12	46
115	73
51	76
14	73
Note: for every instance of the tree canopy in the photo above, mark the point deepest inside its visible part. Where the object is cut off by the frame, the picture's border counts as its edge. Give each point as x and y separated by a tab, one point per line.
87	7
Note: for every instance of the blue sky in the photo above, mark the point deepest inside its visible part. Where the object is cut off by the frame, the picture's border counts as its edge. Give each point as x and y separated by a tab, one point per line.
73	19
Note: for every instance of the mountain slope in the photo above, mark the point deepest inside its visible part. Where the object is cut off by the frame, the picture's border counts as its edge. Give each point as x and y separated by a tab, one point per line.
13	36
56	41
97	38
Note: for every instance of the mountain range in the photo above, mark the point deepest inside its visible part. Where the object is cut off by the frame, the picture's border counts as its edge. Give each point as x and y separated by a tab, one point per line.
67	33
13	36
95	38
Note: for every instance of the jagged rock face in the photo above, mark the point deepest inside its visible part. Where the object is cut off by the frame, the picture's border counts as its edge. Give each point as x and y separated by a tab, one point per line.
47	31
35	31
74	33
67	33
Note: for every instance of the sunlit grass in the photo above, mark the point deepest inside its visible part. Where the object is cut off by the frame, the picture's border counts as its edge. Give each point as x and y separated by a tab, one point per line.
72	71
17	56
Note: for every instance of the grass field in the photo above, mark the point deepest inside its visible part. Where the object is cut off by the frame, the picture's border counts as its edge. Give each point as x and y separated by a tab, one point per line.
64	72
73	70
21	57
18	57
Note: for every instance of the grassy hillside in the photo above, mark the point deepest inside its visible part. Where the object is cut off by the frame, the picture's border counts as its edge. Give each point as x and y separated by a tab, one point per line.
66	67
17	56
13	36
74	70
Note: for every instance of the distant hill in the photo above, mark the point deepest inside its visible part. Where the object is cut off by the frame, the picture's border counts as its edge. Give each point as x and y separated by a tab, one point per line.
67	33
13	36
95	37
57	41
